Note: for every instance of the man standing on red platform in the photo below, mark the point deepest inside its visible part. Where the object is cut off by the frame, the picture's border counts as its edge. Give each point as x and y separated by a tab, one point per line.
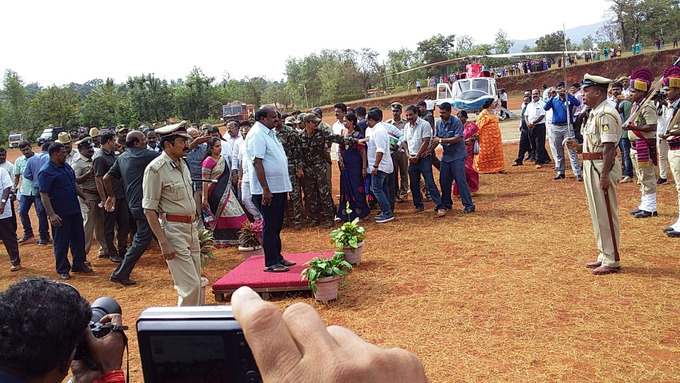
269	184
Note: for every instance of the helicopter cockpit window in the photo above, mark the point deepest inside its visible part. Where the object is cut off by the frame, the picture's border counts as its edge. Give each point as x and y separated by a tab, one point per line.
480	84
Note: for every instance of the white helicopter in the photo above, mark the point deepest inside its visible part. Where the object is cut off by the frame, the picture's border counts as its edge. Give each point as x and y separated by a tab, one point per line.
476	85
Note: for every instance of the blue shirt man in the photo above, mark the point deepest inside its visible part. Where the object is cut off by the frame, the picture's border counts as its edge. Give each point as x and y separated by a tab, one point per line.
449	133
59	195
559	107
31	170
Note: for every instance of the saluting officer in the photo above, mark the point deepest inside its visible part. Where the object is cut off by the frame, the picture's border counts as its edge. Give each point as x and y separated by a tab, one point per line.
601	171
167	189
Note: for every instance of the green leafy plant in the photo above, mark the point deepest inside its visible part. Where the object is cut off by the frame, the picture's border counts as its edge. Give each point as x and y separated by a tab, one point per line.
250	234
321	267
350	234
206	242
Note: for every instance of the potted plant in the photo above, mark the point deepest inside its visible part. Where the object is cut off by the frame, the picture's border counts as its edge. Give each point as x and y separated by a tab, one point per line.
206	243
250	239
349	238
323	275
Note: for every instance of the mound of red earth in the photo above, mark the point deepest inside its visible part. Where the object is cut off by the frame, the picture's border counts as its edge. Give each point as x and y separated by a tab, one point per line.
612	68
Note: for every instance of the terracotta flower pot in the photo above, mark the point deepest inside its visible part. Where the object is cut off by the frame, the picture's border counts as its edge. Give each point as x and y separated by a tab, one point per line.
204	283
327	289
354	257
250	251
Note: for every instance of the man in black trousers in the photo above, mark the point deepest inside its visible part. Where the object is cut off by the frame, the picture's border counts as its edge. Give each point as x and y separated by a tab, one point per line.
129	167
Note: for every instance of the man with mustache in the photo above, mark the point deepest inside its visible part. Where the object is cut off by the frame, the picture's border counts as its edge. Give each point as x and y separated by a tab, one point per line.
167	189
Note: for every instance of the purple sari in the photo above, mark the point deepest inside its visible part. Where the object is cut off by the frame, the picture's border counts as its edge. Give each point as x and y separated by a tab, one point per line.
352	183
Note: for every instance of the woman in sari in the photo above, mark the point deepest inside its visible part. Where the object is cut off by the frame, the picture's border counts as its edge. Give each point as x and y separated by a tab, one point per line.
352	162
470	135
490	157
220	198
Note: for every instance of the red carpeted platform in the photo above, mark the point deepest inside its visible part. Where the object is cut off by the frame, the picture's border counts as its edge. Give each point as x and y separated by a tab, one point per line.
249	273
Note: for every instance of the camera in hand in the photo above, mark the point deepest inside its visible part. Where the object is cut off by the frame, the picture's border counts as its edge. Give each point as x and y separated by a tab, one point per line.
203	343
100	308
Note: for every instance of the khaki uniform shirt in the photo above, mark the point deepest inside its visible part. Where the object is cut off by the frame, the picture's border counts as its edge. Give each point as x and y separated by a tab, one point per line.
80	166
604	125
167	187
400	125
647	116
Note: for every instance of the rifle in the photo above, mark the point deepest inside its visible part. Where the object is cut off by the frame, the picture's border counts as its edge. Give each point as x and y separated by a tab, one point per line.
648	98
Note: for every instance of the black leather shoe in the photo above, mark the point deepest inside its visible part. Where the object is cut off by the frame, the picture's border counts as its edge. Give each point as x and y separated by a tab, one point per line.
124	282
559	176
667	229
662	181
646	214
468	210
116	259
25	238
673	234
65	276
633	212
516	163
579	178
84	270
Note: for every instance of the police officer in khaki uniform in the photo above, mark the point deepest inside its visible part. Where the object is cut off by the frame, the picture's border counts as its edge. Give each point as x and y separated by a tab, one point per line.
642	135
167	189
671	85
601	171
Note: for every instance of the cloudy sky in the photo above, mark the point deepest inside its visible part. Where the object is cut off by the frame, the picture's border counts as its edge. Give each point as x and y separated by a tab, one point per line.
58	42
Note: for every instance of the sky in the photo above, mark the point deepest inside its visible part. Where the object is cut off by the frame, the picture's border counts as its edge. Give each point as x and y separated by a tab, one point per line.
59	42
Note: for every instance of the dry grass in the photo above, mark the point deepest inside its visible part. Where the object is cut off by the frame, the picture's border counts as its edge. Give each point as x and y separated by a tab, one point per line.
498	295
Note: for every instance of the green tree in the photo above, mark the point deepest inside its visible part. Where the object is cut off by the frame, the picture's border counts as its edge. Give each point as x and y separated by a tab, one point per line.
437	48
58	106
150	99
194	99
552	42
14	99
502	45
102	106
465	44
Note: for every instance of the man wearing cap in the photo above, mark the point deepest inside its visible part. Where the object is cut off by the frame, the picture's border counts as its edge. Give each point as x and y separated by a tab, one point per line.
94	133
84	171
399	157
671	85
601	170
270	184
121	132
65	139
313	144
166	189
59	195
129	167
642	135
290	140
117	215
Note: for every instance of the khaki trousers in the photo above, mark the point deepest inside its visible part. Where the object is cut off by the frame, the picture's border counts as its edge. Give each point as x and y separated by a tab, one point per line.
186	266
198	198
674	160
598	209
646	175
93	223
662	148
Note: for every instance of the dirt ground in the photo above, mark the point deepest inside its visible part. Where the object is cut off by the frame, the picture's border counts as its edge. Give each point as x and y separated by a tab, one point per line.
498	295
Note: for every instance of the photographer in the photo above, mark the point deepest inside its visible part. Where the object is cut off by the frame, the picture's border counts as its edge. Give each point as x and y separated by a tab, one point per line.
41	323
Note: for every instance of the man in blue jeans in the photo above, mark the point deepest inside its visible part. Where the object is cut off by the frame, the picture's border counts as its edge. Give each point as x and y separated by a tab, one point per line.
450	136
417	137
30	173
379	163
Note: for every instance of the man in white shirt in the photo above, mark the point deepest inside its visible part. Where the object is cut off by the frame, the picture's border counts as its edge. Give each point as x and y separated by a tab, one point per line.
379	162
503	98
534	117
417	137
338	127
429	104
269	184
233	139
8	226
399	156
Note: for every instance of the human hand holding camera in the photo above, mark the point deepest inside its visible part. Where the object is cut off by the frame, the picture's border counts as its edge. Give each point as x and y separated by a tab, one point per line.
106	352
296	346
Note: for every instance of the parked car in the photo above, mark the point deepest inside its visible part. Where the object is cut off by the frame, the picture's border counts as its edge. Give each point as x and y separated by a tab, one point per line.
15	139
50	134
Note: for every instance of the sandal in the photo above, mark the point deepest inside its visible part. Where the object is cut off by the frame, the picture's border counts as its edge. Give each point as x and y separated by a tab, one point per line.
288	263
277	268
